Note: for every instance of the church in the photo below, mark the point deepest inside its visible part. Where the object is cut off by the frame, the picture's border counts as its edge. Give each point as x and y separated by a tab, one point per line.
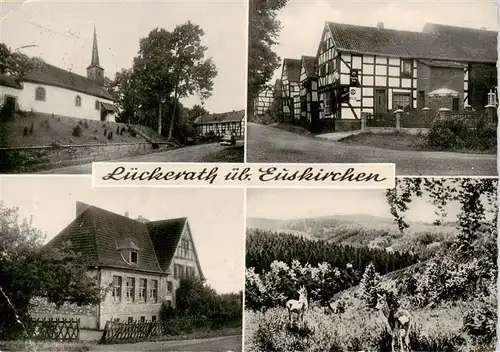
52	90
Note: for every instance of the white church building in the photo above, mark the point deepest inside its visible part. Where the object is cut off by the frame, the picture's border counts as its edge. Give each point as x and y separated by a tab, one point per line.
52	90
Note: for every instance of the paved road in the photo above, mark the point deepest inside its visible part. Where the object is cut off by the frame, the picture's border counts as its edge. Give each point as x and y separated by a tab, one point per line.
271	144
217	344
193	153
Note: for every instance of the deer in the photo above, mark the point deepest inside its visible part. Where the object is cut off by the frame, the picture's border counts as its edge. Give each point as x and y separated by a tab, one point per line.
298	307
399	320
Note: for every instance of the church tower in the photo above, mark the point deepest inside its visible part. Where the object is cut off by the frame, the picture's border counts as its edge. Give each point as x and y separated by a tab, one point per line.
94	71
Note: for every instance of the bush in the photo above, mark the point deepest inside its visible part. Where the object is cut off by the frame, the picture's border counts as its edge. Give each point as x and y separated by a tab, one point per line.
459	134
480	320
77	131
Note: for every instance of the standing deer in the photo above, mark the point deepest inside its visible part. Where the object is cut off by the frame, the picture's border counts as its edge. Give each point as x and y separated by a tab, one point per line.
298	307
399	321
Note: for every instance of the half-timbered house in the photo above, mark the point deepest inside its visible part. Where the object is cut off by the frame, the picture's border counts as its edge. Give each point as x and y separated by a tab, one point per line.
138	263
309	112
219	124
263	102
290	92
375	70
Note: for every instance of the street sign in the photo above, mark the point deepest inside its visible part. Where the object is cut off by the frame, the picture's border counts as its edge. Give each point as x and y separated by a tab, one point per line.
355	94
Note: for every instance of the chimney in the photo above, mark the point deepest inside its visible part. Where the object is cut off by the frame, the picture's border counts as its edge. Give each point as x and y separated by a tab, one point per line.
380	25
81	207
126	214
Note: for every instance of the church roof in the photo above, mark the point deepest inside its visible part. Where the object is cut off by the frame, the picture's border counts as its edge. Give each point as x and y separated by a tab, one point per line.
58	77
94	62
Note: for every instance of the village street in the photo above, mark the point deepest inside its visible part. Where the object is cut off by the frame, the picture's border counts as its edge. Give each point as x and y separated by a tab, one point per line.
270	144
195	153
217	344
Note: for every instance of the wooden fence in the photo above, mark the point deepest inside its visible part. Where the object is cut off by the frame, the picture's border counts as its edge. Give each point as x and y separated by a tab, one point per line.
127	332
57	329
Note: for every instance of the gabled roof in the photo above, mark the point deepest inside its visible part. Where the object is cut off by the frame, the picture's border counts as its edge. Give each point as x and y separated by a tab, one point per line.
442	63
231	116
292	69
277	87
9	81
55	76
438	42
99	234
310	63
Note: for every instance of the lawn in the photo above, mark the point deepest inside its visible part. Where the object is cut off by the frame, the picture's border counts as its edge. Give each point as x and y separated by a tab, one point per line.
31	129
228	155
399	141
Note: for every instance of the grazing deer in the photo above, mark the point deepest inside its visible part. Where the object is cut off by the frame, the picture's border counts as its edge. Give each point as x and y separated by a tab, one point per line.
298	307
399	321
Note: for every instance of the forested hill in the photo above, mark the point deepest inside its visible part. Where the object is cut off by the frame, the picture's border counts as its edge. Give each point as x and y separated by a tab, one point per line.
263	247
363	231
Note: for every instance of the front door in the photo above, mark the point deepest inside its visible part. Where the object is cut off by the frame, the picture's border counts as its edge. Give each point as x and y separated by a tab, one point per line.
380	101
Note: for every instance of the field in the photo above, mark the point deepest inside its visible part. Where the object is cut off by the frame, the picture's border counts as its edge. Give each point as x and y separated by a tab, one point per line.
31	129
357	328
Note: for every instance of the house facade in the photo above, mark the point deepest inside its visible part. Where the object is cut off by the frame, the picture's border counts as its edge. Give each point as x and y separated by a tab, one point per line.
264	101
309	105
52	90
374	70
221	123
138	264
290	91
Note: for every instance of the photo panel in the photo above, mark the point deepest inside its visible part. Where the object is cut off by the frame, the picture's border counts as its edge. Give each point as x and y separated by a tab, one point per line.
399	82
157	81
107	267
412	268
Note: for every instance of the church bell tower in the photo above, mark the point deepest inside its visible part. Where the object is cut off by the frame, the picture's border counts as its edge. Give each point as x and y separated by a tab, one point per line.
94	71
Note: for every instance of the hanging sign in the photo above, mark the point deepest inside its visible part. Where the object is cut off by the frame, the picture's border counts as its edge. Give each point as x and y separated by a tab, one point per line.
354	94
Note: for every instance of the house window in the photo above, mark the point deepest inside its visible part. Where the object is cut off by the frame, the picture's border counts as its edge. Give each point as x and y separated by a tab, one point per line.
40	94
134	257
328	104
130	288
178	271
153	291
78	101
117	288
406	68
168	303
170	286
455	104
130	320
143	319
189	271
143	286
97	105
401	101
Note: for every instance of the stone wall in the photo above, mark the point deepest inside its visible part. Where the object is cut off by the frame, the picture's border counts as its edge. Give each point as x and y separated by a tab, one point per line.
38	158
386	130
344	125
41	308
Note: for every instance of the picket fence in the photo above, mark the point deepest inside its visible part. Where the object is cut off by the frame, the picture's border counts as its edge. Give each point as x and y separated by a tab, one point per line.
130	331
56	329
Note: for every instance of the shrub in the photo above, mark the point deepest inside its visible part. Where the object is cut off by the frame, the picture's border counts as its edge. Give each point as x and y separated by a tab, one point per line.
480	320
77	131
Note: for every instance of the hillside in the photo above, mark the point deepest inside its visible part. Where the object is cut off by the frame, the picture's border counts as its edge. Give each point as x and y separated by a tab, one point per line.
363	231
33	129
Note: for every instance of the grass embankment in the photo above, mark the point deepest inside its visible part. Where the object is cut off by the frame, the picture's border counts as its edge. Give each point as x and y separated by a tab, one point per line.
228	155
32	129
402	141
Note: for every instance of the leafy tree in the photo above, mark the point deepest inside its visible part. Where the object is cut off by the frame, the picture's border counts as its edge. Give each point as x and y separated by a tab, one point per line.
28	270
194	298
263	32
16	64
169	66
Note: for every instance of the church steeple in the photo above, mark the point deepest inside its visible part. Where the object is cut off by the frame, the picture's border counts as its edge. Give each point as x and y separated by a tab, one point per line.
95	72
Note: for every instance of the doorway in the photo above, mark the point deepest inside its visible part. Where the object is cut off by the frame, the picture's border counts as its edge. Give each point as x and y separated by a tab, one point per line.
380	101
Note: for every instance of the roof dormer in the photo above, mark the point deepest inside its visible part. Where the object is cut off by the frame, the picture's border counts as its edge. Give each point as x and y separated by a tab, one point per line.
129	251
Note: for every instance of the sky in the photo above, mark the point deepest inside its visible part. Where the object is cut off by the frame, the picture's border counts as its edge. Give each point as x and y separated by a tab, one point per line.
62	33
215	215
303	21
282	204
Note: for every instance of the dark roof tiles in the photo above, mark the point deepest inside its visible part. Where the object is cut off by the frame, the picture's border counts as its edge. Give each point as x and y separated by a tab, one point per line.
231	116
292	67
99	235
310	64
58	77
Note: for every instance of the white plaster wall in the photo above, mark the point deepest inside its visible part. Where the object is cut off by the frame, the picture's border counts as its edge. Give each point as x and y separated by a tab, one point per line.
8	91
60	101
